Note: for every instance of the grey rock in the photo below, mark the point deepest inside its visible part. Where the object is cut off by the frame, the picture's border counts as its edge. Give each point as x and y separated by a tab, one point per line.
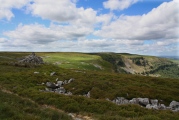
53	73
162	107
149	106
68	93
174	105
143	101
50	85
61	90
65	82
48	89
70	80
88	94
154	101
134	101
120	100
59	83
36	72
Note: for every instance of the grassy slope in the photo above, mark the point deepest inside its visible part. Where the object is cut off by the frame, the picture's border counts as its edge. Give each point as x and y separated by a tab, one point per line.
77	61
102	85
13	107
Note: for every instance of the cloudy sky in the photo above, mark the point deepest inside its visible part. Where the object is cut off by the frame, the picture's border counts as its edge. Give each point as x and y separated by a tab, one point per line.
147	27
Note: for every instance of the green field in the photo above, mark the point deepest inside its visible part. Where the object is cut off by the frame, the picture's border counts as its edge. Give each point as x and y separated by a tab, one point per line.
20	97
77	61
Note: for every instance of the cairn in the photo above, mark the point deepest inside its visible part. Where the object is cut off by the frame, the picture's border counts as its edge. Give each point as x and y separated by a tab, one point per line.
31	59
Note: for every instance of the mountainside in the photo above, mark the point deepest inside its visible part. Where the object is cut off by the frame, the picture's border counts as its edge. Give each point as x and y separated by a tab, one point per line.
85	86
142	65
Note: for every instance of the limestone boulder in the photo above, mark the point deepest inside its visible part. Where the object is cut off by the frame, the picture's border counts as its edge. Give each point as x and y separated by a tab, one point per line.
154	101
143	101
174	105
50	85
120	100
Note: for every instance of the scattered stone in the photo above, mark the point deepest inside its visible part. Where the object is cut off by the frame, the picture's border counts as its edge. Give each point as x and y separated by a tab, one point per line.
53	73
69	93
36	72
48	89
88	94
70	80
59	83
65	82
61	90
50	85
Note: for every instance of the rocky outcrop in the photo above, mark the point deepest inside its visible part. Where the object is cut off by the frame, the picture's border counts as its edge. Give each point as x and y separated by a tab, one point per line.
120	100
31	59
143	101
147	103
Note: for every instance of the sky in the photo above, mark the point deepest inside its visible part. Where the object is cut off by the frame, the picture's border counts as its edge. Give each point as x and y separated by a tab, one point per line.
147	27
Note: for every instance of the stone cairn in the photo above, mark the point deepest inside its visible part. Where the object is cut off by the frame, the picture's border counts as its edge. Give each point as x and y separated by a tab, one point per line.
31	59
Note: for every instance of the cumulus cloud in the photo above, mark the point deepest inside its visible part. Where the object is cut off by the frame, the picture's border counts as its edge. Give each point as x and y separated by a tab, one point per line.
62	11
39	34
167	42
74	26
2	40
160	23
7	5
118	4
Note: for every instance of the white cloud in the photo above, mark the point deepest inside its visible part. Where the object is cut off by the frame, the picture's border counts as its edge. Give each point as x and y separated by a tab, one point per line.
2	40
39	34
7	5
167	42
160	23
63	11
117	34
105	19
118	4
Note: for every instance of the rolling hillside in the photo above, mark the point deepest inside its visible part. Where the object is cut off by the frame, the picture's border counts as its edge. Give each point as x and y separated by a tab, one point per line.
103	74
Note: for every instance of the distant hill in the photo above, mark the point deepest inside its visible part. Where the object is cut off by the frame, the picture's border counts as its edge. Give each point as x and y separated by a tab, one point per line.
170	57
142	65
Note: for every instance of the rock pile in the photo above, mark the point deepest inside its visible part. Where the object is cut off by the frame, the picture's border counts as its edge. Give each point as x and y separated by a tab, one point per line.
31	59
148	103
58	87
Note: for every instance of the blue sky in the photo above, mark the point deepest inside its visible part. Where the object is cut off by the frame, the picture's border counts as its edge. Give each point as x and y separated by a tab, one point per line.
148	27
